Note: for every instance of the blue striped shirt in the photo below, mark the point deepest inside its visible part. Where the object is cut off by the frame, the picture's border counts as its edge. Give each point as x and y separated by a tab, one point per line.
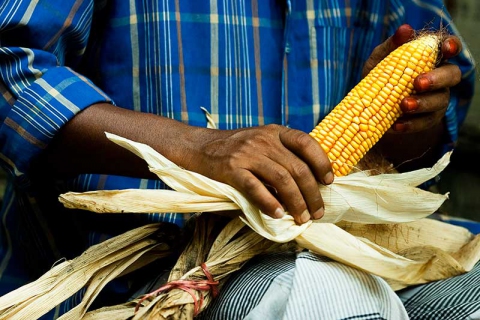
248	63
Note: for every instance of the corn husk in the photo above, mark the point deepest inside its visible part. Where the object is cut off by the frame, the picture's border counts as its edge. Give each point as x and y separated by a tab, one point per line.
224	254
357	198
373	223
94	269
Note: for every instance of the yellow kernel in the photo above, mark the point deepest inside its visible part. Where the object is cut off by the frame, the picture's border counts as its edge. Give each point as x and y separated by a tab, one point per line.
383	94
368	113
401	65
411	64
343	124
349	134
342	140
335	152
376	104
354	144
382	80
341	159
343	170
371	94
409	72
376	87
398	72
365	144
417	55
395	95
393	81
403	82
399	88
350	147
362	148
391	102
339	146
366	100
331	139
337	132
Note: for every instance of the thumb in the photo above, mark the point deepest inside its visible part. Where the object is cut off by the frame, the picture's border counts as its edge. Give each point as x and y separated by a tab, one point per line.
403	34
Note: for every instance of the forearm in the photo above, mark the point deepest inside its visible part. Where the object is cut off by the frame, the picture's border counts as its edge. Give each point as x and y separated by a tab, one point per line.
82	147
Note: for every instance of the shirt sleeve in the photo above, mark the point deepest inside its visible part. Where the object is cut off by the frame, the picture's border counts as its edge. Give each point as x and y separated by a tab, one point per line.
432	14
40	90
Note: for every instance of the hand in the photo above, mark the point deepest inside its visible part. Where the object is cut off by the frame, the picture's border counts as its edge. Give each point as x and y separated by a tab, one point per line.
426	108
253	160
275	167
416	136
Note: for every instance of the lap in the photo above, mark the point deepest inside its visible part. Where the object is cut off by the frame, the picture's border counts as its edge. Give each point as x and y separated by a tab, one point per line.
304	286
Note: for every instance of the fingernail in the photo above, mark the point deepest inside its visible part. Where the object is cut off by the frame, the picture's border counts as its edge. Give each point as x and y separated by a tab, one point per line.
328	179
305	216
403	34
318	214
409	104
279	213
450	48
399	127
422	83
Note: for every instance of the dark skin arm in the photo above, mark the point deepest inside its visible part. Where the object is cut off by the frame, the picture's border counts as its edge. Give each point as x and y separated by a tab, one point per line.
288	160
415	138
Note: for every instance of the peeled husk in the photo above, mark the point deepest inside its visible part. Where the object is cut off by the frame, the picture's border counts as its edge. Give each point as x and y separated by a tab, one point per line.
359	199
92	270
376	223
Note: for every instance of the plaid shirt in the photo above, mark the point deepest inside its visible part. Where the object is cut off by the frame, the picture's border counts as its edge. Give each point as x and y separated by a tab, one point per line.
248	63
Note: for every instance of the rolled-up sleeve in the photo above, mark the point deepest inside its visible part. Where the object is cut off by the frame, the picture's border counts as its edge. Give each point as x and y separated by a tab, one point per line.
41	92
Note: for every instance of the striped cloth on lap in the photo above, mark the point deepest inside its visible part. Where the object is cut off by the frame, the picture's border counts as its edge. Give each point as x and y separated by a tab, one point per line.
304	286
456	298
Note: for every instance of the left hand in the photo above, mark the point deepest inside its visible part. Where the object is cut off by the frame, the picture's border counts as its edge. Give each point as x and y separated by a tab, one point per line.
426	108
414	139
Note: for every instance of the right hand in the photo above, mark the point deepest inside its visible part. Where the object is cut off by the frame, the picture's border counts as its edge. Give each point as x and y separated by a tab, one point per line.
259	159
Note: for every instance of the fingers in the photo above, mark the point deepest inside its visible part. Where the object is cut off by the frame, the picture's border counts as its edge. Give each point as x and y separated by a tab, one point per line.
422	111
427	102
305	147
276	168
418	123
427	107
295	186
445	76
294	171
258	193
403	34
451	47
308	165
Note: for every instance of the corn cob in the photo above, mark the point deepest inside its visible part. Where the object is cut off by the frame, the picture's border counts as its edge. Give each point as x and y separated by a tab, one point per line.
373	105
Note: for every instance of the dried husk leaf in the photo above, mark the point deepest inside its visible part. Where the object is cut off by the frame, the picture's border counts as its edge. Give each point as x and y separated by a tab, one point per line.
380	227
384	198
109	259
232	247
357	198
